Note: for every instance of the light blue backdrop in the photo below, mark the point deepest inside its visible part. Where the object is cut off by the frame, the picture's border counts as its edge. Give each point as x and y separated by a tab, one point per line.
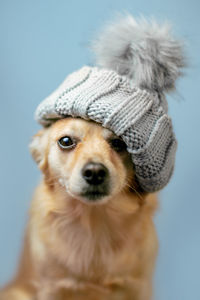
41	42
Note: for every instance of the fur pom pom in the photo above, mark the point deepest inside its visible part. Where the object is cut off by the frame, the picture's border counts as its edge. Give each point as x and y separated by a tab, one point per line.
143	51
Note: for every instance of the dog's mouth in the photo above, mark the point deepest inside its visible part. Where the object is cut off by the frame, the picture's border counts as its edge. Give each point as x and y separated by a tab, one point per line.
94	196
95	193
90	193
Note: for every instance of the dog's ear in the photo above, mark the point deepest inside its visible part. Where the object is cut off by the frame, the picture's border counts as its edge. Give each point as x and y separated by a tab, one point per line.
38	148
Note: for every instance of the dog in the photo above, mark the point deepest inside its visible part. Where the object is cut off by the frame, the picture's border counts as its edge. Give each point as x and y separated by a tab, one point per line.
90	233
106	147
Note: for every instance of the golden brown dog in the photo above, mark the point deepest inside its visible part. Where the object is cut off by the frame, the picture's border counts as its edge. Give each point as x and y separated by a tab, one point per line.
90	234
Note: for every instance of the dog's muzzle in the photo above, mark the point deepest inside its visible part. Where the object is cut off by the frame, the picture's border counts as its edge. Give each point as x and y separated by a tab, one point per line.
96	176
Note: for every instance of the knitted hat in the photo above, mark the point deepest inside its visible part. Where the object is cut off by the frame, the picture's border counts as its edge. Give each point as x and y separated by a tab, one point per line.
136	64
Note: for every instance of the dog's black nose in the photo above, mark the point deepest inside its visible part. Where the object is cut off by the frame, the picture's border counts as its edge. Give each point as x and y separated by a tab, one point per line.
94	173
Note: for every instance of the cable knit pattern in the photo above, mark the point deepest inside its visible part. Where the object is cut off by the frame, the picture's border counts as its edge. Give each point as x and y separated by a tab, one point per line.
139	117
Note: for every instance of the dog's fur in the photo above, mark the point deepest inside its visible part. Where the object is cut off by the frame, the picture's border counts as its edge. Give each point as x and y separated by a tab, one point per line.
76	248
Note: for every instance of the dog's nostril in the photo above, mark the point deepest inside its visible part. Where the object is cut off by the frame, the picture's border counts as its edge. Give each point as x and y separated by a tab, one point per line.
88	174
94	173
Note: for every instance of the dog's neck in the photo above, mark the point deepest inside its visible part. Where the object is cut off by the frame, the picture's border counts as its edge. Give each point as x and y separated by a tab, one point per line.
87	238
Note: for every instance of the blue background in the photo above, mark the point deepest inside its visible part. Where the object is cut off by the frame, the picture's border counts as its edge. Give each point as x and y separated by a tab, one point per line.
41	42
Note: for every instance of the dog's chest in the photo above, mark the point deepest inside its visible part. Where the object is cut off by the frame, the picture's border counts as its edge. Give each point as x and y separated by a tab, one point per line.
99	251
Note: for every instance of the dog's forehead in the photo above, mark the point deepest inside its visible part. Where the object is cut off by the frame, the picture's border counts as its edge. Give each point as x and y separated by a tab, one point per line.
79	127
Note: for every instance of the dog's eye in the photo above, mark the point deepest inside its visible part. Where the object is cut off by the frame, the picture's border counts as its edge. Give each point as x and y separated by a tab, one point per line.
118	145
66	142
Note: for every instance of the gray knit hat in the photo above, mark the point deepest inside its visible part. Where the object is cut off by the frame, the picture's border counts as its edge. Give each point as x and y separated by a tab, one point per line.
136	64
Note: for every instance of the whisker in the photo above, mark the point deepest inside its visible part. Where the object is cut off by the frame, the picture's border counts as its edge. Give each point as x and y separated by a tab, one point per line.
135	190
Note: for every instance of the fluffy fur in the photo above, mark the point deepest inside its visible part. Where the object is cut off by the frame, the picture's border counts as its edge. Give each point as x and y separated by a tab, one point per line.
142	50
78	249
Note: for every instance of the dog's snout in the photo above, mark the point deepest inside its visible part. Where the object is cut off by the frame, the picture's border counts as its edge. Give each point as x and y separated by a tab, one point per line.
94	173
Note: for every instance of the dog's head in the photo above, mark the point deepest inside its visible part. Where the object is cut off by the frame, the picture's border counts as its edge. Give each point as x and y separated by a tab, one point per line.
87	161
